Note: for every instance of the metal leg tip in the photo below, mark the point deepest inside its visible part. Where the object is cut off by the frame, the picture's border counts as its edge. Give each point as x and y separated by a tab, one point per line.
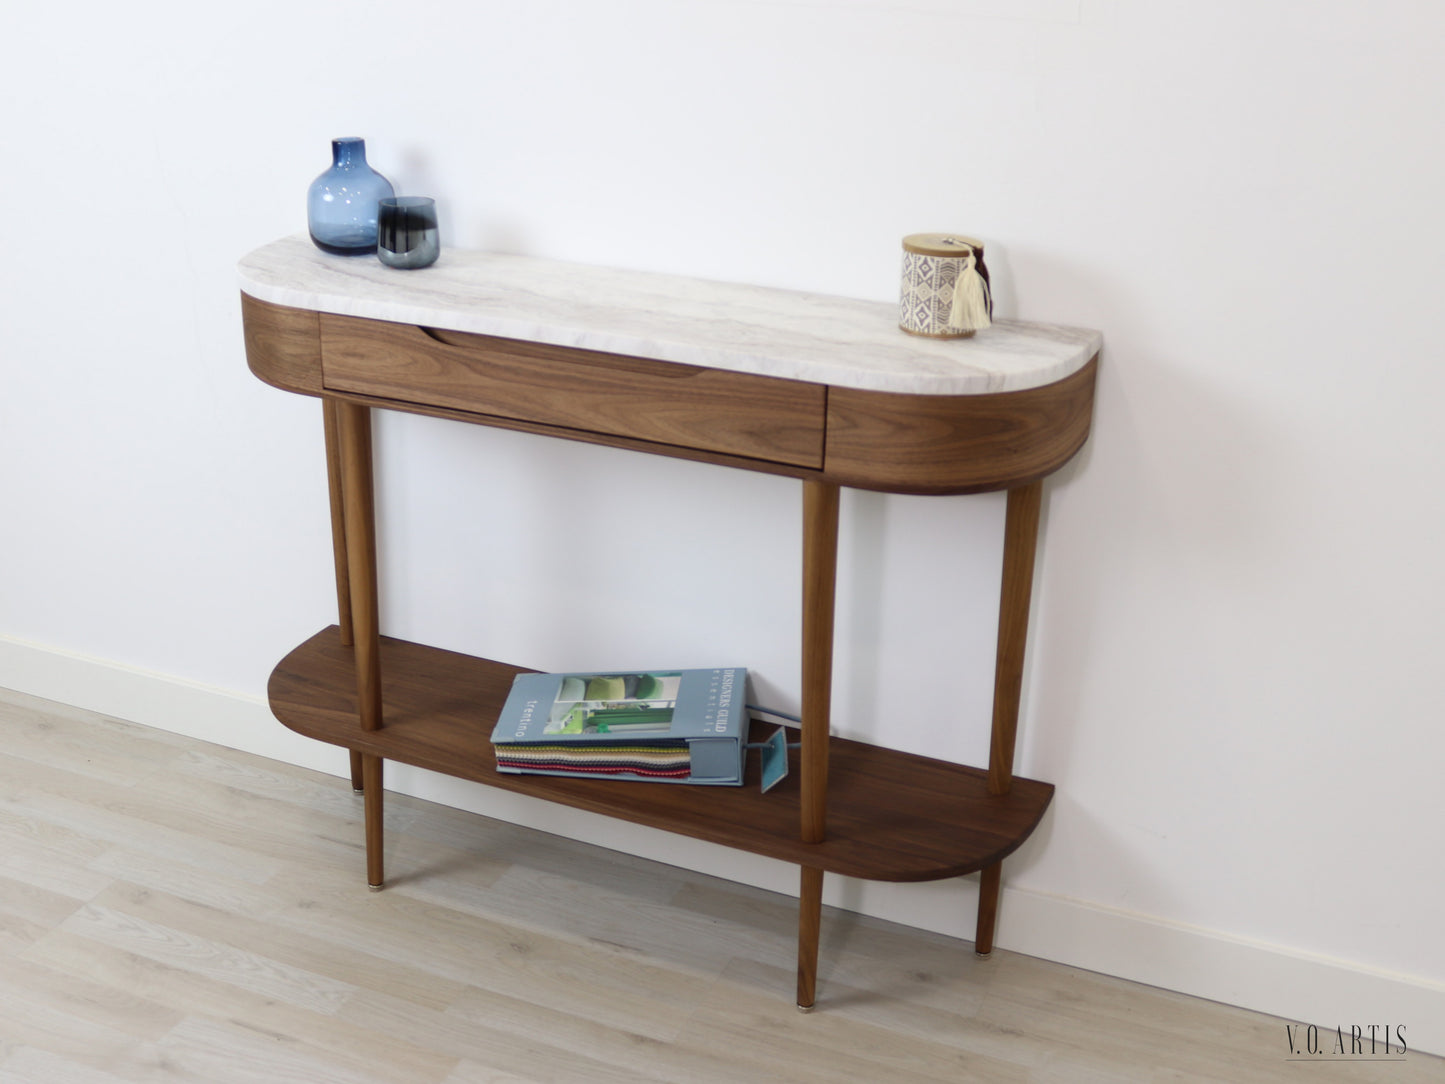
357	790
983	955
377	888
805	1008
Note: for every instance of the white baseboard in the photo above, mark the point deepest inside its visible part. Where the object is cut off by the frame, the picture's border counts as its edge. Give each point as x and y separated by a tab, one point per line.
1299	988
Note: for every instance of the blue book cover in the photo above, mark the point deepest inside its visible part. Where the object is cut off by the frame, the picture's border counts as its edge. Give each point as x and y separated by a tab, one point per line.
674	726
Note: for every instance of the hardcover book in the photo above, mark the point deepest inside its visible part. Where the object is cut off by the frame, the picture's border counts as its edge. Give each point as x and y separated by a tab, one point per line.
674	726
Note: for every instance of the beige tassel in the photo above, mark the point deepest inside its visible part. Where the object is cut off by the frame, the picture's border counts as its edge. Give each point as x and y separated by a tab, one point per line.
970	298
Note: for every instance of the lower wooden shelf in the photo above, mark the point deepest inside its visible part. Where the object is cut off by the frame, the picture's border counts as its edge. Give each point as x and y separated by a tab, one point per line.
891	816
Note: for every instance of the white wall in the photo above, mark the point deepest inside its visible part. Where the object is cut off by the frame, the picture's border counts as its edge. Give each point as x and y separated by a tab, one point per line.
1240	587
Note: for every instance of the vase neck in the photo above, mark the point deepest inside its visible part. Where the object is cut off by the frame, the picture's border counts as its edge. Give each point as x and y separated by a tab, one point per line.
348	152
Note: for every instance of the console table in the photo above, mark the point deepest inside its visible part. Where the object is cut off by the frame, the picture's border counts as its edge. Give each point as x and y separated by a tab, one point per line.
823	389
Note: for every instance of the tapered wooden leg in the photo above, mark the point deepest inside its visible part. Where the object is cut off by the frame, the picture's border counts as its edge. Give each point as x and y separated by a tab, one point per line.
353	446
338	548
820	567
1020	544
988	891
354	440
338	520
1020	539
810	923
371	775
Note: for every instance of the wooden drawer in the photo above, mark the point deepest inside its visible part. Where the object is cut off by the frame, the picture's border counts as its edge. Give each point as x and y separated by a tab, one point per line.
713	410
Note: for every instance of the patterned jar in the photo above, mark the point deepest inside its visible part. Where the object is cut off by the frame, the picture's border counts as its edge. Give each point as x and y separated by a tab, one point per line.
945	292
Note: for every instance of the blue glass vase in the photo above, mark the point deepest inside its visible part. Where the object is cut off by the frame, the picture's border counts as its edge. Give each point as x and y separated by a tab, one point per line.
341	204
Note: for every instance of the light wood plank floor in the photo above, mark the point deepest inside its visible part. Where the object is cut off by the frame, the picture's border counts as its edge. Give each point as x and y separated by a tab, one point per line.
176	911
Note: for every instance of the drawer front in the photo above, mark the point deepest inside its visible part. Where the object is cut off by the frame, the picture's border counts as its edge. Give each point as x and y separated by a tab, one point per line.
687	406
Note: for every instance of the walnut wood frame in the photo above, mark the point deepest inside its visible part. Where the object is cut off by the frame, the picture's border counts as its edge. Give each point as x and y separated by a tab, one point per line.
855	810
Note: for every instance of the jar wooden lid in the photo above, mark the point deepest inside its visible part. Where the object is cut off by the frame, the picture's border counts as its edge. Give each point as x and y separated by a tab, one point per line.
941	244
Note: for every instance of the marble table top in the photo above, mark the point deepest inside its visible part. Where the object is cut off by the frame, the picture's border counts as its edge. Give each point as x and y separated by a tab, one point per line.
754	329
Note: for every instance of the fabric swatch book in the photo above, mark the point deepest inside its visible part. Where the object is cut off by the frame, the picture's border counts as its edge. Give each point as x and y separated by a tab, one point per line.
672	726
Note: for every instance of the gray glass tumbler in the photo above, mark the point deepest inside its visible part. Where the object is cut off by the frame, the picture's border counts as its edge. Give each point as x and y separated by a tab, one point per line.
406	232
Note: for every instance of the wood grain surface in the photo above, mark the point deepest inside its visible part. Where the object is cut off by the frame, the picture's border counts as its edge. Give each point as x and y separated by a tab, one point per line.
708	409
865	439
957	443
891	816
283	345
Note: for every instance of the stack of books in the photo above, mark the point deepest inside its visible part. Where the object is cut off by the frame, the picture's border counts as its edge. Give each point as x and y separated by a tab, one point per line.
672	726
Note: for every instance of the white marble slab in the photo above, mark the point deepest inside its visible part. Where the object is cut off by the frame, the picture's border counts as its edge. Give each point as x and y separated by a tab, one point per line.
754	329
